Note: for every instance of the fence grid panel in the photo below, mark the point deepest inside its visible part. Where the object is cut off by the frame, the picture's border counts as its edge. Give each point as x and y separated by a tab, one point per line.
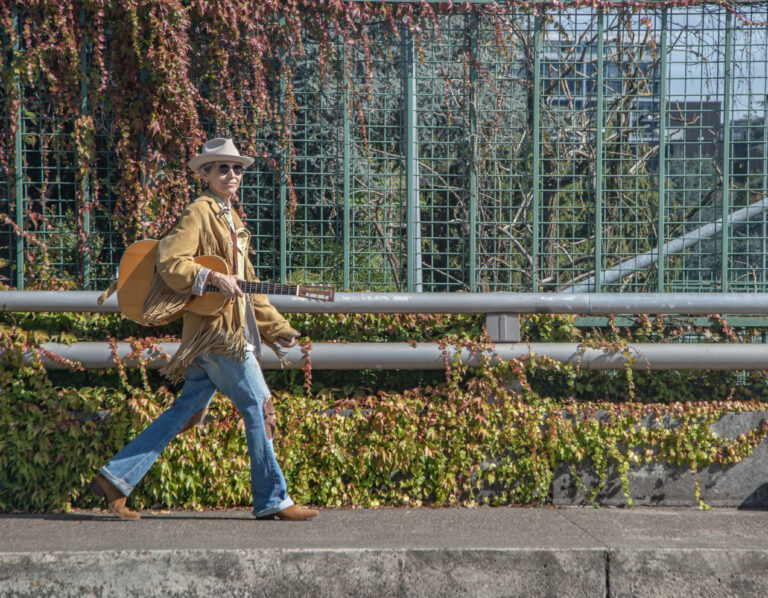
604	151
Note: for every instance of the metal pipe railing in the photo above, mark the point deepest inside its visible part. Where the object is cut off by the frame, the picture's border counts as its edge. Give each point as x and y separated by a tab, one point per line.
516	303
429	356
694	356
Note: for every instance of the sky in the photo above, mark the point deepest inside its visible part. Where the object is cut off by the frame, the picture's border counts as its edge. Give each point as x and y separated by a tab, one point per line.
696	53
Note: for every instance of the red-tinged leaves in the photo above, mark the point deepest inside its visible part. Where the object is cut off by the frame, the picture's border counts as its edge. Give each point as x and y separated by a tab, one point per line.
156	70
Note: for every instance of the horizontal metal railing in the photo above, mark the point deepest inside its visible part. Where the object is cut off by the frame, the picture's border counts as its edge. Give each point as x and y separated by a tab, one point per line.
444	303
430	356
689	356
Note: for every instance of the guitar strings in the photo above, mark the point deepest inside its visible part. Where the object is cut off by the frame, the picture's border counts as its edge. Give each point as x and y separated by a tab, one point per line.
271	288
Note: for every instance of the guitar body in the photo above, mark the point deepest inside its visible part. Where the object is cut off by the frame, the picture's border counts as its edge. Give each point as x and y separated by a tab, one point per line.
134	278
137	271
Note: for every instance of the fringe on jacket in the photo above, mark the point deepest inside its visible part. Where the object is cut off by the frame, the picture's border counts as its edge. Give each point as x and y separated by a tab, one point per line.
207	340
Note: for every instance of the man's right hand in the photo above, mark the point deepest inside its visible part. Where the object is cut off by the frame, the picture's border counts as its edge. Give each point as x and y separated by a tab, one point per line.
227	284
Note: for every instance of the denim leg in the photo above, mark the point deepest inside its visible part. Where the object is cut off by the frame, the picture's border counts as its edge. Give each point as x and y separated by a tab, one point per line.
128	467
244	384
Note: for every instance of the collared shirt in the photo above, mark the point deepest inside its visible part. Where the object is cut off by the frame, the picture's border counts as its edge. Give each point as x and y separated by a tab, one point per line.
247	315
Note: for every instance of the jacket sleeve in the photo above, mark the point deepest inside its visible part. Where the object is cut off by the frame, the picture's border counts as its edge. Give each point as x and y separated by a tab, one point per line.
271	323
176	253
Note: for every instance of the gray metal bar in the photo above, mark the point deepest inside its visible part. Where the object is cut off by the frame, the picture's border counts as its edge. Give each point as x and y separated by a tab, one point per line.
503	328
429	356
677	245
445	303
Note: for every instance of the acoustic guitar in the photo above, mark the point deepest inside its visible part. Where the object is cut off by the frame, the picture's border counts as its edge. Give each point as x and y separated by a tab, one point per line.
138	267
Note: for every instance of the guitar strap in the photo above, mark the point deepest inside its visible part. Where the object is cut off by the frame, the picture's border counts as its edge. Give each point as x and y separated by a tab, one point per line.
234	248
240	301
233	234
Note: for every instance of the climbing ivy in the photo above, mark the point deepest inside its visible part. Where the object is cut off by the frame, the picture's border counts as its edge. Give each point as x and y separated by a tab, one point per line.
156	71
497	434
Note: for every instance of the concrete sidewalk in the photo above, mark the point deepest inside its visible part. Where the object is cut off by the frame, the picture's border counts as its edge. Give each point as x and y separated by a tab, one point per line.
558	552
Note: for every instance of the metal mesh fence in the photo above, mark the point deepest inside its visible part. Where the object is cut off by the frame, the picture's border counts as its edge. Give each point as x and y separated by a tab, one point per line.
615	151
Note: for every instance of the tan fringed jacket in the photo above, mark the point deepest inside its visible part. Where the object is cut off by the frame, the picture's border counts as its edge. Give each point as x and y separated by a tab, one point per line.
200	232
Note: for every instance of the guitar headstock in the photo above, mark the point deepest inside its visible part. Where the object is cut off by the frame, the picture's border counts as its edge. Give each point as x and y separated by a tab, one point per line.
317	292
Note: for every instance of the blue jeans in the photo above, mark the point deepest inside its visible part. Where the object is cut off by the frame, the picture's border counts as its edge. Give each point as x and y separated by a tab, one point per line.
244	384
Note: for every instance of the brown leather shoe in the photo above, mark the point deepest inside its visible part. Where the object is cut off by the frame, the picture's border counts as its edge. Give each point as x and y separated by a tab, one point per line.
292	513
101	486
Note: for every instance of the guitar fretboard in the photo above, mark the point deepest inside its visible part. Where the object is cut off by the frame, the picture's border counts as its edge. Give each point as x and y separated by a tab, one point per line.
267	288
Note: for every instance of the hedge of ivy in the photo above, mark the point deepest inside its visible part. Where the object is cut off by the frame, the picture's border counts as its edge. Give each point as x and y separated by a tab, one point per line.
491	435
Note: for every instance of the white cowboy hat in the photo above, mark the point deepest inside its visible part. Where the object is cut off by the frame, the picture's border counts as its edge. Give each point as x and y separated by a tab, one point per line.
219	149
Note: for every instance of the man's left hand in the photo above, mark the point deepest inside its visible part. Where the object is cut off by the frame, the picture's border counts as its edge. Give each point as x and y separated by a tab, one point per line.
288	342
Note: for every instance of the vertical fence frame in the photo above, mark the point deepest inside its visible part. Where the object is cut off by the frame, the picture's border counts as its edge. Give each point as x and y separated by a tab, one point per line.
411	142
346	182
764	235
18	170
662	176
473	153
599	154
536	138
726	189
283	194
86	184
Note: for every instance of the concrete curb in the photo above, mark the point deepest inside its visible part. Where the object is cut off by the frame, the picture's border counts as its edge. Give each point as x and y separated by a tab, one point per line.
714	573
587	573
311	573
548	552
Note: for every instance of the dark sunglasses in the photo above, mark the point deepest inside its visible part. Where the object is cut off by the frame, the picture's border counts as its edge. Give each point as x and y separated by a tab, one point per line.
224	169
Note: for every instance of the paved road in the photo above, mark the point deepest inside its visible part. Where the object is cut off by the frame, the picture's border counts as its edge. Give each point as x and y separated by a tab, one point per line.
390	552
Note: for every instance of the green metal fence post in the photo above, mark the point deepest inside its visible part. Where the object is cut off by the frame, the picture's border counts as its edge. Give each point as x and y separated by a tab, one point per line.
536	136
283	240
85	181
18	164
764	234
413	232
726	148
599	153
473	153
346	240
662	152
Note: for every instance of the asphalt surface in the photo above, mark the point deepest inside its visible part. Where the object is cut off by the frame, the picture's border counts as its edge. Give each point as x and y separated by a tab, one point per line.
422	528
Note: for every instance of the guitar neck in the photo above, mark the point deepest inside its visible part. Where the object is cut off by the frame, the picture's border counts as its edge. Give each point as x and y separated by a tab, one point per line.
265	288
